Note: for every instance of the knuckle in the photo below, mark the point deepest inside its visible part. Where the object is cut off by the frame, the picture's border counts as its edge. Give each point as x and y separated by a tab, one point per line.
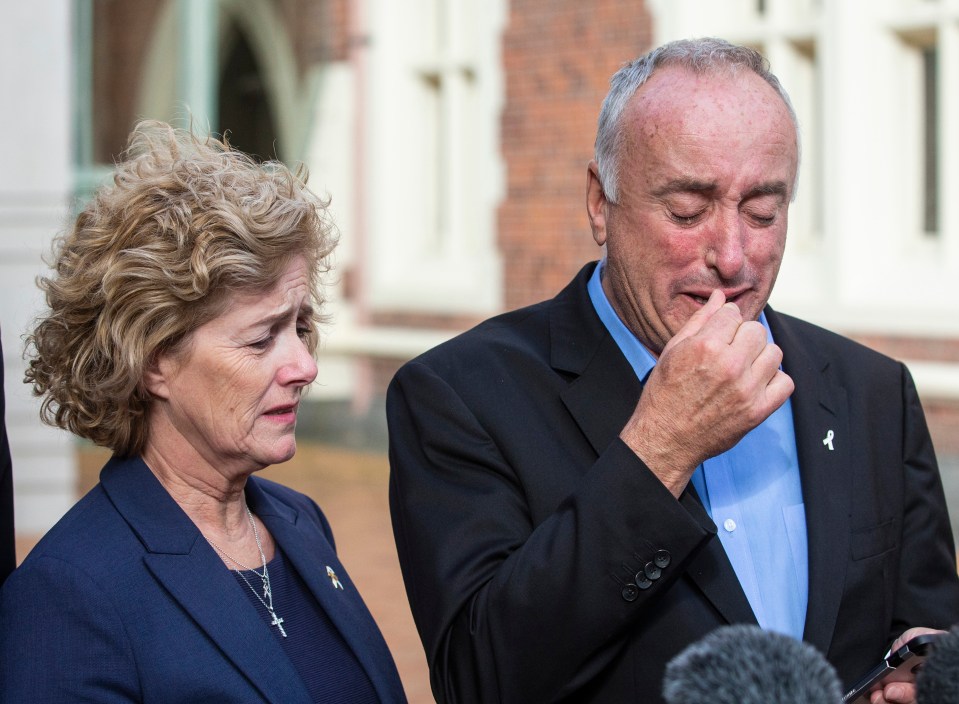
709	346
731	310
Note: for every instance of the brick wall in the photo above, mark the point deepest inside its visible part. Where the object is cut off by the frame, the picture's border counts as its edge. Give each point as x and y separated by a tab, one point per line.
926	349
121	33
319	31
558	56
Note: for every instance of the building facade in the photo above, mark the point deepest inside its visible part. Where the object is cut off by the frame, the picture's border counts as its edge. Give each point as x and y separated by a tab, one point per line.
453	138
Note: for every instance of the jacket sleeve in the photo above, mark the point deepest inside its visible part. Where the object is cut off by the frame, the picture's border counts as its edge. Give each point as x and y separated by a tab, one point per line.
61	640
512	610
927	593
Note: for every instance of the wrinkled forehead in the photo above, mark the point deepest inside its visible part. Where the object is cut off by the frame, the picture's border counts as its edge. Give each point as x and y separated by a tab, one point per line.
678	89
723	96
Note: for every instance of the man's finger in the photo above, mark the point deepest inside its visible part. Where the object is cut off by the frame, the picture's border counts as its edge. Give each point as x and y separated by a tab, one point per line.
698	319
779	388
751	338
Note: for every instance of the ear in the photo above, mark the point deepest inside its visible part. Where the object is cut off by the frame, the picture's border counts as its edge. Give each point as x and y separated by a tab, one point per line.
596	203
156	375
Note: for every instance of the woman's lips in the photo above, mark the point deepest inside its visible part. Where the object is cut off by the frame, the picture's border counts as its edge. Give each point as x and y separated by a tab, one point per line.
282	411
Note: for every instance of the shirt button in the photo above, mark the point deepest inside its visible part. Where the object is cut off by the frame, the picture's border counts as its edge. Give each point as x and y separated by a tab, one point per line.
630	592
729	524
662	559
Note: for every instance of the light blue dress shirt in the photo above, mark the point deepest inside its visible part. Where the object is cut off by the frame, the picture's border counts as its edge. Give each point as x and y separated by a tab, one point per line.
753	494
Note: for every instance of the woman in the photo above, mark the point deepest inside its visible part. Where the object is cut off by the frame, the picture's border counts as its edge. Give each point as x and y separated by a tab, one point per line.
180	334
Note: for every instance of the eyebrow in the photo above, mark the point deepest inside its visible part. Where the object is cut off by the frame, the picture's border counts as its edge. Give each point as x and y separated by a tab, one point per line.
691	185
773	188
685	185
305	310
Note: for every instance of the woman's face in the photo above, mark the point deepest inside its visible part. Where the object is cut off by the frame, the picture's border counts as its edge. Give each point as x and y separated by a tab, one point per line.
229	397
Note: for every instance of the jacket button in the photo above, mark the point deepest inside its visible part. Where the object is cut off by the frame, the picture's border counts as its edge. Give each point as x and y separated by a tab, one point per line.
642	581
630	592
662	559
652	571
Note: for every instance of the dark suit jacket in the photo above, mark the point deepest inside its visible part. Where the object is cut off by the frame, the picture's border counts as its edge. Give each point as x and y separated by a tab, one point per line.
521	517
123	600
8	557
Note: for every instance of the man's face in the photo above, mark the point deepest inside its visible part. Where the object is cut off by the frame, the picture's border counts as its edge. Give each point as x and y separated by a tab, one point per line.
706	171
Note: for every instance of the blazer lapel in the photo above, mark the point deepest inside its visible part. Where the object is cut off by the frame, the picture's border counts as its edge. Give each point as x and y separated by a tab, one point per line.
820	416
604	394
602	399
311	553
194	576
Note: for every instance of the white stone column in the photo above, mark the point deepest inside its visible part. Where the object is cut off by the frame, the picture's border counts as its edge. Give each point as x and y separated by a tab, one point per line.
36	51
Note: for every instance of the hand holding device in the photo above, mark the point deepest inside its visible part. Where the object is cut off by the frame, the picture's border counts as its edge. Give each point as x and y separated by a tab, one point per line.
901	665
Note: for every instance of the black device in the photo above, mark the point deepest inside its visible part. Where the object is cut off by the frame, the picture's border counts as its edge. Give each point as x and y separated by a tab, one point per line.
898	666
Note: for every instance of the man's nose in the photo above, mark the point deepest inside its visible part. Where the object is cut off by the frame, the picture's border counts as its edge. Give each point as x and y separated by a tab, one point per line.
725	244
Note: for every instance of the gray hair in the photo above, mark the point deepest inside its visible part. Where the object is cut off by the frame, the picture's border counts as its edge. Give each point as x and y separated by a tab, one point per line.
697	55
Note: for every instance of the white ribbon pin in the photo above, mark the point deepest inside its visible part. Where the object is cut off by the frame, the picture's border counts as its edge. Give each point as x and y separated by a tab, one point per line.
333	578
827	441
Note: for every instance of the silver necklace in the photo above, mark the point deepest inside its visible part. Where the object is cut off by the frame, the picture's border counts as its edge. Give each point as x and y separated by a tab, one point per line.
267	598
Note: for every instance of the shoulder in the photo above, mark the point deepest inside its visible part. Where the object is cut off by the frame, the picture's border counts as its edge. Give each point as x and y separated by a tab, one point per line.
827	347
88	557
520	340
90	532
61	611
91	556
523	328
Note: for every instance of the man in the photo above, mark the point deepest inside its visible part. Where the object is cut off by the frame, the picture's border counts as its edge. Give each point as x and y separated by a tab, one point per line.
560	473
7	546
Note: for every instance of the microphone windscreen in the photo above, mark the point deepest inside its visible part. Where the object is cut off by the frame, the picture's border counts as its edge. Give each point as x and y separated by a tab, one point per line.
744	664
937	681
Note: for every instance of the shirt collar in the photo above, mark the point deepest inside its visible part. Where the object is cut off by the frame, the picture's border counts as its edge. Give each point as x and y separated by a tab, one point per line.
639	357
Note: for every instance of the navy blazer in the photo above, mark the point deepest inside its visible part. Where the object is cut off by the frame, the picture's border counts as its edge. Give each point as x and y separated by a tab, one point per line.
124	601
521	518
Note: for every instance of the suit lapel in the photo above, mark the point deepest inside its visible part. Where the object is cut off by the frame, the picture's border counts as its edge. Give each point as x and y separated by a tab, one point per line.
191	572
601	399
820	416
308	549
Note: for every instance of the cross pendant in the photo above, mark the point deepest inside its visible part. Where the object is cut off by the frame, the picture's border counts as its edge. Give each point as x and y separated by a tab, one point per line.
278	622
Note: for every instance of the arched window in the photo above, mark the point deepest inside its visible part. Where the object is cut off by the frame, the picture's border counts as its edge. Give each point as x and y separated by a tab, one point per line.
222	65
243	101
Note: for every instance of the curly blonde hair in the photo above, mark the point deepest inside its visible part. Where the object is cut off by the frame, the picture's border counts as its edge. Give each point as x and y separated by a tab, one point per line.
186	223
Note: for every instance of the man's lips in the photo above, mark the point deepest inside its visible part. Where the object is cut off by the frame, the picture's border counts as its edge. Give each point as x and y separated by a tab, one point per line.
732	296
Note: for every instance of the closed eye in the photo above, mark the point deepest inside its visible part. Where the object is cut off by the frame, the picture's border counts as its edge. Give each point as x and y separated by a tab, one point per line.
762	220
764	208
263	344
685	220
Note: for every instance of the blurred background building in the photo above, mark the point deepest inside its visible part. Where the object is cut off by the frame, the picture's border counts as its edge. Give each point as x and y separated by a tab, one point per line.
453	137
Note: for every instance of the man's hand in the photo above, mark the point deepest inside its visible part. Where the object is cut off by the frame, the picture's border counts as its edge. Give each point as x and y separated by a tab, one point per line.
900	692
717	379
